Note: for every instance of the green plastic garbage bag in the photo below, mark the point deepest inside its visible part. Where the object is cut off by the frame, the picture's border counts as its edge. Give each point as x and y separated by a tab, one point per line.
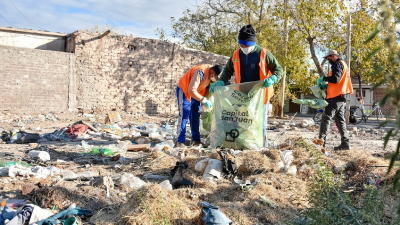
238	116
313	103
318	92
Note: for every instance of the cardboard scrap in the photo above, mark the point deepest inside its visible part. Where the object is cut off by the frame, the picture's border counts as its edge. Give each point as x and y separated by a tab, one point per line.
113	118
138	147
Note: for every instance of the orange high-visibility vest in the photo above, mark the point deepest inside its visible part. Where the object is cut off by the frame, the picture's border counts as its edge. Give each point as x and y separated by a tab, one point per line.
185	80
264	72
342	87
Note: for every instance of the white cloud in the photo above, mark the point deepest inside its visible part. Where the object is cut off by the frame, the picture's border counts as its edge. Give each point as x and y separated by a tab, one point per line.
136	17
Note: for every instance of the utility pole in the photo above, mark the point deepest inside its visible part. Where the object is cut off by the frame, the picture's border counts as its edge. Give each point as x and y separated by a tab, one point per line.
283	80
348	63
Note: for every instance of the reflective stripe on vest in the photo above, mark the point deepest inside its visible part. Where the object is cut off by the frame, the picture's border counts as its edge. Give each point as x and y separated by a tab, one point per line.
264	72
185	80
342	87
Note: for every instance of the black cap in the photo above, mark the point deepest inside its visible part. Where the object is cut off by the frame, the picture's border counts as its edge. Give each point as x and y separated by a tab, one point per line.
218	69
247	35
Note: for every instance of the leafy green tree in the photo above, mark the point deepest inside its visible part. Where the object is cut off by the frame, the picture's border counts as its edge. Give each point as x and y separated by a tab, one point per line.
386	29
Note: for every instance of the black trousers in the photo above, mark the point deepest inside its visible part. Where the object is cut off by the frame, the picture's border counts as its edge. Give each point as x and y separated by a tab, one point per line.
335	110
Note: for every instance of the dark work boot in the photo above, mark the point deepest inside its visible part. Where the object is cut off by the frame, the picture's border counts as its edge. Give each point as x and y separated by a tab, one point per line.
342	146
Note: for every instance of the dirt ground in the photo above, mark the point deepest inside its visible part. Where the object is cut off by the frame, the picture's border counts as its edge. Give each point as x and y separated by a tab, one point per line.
274	197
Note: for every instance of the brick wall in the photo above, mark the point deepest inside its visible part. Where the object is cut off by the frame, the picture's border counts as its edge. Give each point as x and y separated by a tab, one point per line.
34	80
387	109
132	74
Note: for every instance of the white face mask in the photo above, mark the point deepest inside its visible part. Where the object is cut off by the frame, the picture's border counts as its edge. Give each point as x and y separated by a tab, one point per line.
248	49
213	79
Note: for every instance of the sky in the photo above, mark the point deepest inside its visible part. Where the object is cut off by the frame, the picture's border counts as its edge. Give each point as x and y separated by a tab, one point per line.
137	17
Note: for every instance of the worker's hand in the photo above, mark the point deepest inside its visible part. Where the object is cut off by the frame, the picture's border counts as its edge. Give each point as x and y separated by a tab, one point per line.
208	103
219	83
320	80
270	81
323	86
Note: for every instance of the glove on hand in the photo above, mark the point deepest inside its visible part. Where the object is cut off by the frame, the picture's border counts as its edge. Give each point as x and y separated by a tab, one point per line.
323	86
320	80
270	81
219	83
207	103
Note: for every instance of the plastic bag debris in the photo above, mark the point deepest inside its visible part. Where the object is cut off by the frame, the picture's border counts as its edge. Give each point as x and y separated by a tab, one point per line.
177	176
201	165
213	170
132	181
41	155
287	158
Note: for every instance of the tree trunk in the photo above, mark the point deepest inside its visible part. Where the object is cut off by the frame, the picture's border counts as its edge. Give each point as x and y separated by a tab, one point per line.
283	82
314	56
359	85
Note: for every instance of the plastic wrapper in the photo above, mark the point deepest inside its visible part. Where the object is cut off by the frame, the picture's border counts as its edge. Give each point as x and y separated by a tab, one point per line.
238	116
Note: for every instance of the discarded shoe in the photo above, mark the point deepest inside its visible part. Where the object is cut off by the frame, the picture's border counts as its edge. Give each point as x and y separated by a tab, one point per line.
343	146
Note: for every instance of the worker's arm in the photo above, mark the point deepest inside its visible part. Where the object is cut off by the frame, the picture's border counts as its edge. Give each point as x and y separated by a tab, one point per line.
337	69
274	66
194	84
228	71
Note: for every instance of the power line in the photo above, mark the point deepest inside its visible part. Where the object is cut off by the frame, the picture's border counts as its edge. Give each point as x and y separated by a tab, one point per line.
7	21
25	16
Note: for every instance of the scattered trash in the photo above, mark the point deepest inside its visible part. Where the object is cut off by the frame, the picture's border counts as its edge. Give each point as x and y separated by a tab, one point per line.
212	215
213	170
229	165
41	155
132	181
177	176
287	158
201	165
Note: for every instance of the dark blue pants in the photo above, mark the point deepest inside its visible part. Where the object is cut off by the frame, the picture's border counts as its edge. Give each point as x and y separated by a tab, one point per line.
188	111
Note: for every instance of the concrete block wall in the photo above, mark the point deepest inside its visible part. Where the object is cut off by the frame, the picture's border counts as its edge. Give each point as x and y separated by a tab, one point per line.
132	74
34	80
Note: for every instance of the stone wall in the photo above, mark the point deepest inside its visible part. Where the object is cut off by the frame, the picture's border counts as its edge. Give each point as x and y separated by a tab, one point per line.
132	74
35	80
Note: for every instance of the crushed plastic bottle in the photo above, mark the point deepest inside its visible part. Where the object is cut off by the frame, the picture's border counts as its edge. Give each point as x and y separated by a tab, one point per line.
13	163
102	151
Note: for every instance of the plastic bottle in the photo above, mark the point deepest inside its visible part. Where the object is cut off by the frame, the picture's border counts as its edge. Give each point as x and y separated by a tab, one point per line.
13	163
102	151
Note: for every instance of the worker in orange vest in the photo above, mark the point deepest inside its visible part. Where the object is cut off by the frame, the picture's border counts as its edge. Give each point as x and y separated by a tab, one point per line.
190	93
250	63
339	89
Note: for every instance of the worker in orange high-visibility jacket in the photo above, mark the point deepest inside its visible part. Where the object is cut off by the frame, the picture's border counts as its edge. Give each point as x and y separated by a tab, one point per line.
339	89
190	94
250	63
